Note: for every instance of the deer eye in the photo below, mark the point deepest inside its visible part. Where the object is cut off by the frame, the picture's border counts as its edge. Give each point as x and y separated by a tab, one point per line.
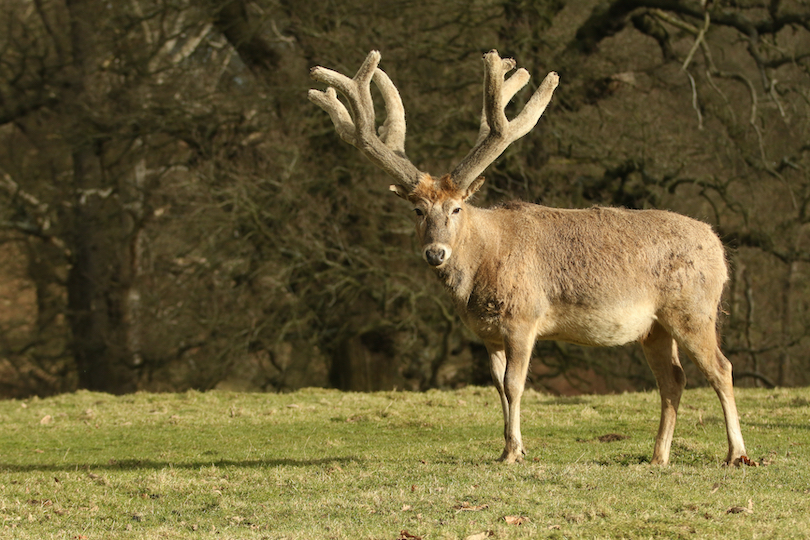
456	210
419	212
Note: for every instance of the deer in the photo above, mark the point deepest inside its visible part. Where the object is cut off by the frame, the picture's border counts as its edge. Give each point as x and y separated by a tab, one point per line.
521	272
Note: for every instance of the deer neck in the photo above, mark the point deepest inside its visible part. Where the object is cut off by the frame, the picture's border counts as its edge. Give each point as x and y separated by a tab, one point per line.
475	241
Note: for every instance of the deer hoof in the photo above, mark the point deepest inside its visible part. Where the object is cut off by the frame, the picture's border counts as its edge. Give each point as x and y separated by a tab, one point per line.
512	457
742	460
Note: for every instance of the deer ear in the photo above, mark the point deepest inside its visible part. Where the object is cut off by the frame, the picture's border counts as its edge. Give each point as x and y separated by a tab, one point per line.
399	191
474	186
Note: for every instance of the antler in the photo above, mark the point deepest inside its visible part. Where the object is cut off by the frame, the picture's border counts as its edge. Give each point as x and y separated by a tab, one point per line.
358	128
497	133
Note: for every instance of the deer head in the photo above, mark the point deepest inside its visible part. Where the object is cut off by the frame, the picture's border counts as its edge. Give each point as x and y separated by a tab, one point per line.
438	201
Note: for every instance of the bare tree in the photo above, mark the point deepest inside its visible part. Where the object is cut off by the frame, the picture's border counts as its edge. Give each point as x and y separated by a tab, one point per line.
738	70
91	92
236	247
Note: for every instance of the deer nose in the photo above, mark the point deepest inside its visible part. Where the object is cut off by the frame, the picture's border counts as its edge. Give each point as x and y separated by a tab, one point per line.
436	254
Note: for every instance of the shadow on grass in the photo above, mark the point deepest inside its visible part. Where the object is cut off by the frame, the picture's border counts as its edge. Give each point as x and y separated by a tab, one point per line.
623	460
565	400
146	464
781	425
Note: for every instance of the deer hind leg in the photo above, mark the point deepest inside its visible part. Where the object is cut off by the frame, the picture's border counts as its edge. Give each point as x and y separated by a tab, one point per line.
661	352
701	346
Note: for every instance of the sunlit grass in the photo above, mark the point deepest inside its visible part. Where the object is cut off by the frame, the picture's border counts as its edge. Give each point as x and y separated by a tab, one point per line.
325	464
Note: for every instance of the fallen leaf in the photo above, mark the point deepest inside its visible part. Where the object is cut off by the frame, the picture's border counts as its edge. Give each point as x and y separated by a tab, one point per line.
736	510
406	507
467	507
47	419
768	460
405	535
554	527
715	487
479	536
742	509
515	520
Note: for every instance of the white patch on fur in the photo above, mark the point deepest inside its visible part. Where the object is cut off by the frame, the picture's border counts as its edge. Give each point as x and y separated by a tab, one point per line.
605	326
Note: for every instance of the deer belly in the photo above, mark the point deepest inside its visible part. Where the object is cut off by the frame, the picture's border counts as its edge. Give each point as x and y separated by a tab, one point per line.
598	327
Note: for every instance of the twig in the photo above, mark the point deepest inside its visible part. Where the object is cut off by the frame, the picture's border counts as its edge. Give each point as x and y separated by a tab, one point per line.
698	41
755	375
695	104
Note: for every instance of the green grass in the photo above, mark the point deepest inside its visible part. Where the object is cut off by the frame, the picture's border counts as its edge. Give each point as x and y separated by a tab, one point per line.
326	464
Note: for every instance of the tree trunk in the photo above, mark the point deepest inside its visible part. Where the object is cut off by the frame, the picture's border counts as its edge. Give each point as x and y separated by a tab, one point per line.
98	279
97	296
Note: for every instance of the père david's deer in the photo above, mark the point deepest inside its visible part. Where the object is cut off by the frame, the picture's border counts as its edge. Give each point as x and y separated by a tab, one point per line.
521	272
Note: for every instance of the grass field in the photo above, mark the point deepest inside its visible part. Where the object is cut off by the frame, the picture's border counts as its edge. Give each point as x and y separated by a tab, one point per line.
394	465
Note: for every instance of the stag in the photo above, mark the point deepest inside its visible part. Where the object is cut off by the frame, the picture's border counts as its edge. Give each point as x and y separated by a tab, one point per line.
520	272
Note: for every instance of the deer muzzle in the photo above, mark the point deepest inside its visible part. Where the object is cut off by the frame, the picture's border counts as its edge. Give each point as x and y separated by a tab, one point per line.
436	254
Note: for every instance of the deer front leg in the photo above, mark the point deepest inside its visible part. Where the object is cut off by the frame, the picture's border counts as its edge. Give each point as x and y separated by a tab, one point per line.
497	366
517	350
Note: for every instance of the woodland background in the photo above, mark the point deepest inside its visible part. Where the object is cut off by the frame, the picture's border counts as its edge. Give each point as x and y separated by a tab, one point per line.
175	214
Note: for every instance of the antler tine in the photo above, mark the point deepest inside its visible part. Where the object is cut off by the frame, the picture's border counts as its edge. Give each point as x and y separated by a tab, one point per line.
357	128
511	86
497	132
392	132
